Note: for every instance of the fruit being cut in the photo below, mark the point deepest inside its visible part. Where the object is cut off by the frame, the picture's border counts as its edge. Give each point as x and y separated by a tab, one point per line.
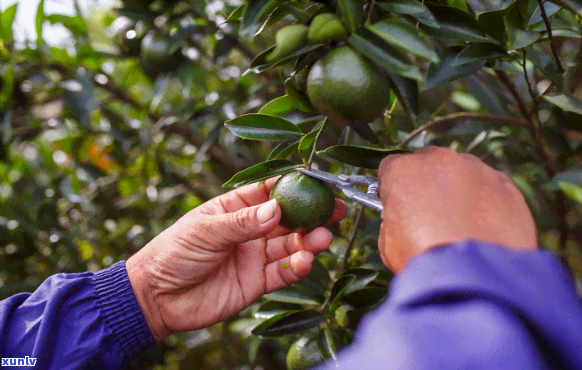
305	202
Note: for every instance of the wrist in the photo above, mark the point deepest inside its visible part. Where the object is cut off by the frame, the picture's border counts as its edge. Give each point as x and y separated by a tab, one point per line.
144	294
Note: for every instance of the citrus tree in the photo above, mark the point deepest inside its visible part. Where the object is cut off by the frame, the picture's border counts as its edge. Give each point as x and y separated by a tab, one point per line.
149	109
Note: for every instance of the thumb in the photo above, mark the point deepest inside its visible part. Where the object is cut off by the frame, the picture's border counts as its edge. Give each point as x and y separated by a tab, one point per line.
248	223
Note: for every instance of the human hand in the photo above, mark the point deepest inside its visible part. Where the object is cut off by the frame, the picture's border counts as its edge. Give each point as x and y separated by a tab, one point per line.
437	196
219	258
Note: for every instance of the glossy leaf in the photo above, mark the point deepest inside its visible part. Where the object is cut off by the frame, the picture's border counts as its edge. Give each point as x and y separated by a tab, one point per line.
261	171
236	14
518	38
256	126
351	13
411	7
298	99
272	308
485	6
284	150
536	16
277	106
456	24
254	12
338	290
261	64
379	51
567	102
478	52
445	71
76	24
359	156
574	5
317	281
361	281
406	36
293	295
6	21
366	297
287	323
573	176
571	190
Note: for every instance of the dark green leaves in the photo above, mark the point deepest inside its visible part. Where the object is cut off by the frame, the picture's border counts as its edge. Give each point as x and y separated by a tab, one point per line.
39	20
261	64
411	7
446	71
284	150
79	98
480	51
383	54
406	90
288	323
292	294
406	36
310	140
351	14
485	6
278	106
263	127
254	12
359	156
272	308
261	171
456	24
573	5
567	102
6	20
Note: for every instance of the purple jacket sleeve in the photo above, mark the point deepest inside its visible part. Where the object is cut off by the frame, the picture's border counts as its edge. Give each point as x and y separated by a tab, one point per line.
75	321
472	306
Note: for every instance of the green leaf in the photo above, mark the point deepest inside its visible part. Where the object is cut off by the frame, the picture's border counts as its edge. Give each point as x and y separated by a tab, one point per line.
308	140
547	64
39	20
574	5
277	106
6	85
361	281
479	51
351	13
260	63
410	7
445	72
571	190
256	126
261	171
288	323
573	176
406	36
254	12
298	99
293	295
456	24
359	156
272	308
338	290
76	24
536	16
518	38
485	6
236	14
367	297
406	90
284	150
379	51
567	102
6	20
317	281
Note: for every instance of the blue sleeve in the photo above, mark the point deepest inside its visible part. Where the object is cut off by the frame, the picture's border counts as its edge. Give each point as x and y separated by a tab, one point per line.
75	321
472	306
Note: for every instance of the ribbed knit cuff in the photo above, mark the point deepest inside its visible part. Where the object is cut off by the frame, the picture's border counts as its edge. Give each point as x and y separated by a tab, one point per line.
121	310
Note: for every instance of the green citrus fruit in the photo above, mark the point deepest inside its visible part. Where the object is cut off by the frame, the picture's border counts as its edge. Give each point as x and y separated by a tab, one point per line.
304	354
306	202
156	57
347	88
289	39
325	27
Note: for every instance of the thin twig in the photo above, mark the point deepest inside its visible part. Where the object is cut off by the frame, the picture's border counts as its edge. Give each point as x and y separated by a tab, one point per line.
534	97
551	37
352	238
372	4
499	120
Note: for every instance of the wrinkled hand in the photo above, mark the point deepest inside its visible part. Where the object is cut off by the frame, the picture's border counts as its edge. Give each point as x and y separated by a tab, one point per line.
219	258
437	196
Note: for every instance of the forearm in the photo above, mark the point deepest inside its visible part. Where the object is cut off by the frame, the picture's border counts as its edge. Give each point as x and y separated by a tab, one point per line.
475	306
75	321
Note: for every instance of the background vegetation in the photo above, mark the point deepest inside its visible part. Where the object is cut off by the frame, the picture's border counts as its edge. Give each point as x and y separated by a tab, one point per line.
106	142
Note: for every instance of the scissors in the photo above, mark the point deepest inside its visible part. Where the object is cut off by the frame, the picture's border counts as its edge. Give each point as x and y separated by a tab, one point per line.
346	184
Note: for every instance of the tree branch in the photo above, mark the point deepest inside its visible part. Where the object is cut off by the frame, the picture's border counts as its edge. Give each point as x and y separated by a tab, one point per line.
498	120
551	37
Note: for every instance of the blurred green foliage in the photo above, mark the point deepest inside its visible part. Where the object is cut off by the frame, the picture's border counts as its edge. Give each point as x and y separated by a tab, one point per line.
107	142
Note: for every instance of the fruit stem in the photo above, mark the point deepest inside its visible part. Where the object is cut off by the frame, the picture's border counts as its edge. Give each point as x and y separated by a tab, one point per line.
310	160
370	12
352	237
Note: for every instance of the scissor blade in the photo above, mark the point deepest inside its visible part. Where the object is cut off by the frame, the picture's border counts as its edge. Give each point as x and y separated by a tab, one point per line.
363	198
322	175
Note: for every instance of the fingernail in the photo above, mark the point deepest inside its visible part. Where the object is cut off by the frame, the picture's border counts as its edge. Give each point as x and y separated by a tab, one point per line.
267	211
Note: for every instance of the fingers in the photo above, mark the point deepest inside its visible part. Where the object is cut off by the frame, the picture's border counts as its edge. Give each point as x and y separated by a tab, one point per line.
243	225
246	196
315	242
287	271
